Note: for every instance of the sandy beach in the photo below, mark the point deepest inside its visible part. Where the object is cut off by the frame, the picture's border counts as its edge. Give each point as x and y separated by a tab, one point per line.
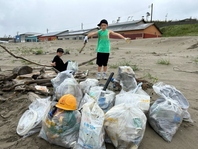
144	54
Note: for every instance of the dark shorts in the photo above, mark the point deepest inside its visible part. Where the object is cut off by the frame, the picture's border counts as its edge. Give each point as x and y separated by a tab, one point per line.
102	59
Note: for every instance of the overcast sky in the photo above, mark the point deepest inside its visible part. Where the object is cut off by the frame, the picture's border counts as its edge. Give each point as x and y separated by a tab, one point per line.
57	15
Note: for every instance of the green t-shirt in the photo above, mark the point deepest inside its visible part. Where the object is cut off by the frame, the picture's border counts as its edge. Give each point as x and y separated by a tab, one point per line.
103	41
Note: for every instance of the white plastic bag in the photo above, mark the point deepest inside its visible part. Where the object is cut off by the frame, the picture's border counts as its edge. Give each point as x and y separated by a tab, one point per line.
61	77
165	117
85	100
69	86
91	135
168	91
62	129
140	100
30	121
125	125
126	78
105	99
32	96
87	84
72	66
95	92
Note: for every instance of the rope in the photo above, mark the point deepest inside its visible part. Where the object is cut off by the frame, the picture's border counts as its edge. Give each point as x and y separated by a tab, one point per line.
176	68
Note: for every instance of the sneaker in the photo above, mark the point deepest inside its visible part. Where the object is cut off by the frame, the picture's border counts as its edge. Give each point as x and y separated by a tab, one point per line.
98	76
104	76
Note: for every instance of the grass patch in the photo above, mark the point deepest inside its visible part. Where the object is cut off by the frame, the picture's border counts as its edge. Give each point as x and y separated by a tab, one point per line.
196	60
38	52
113	53
91	63
134	67
128	52
152	78
115	48
163	62
14	61
25	62
66	51
26	51
92	49
180	30
124	63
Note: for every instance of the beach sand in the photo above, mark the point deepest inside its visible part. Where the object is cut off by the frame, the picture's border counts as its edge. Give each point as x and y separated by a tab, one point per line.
143	53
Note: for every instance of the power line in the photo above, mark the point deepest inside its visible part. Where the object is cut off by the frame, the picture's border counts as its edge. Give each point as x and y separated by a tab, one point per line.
91	23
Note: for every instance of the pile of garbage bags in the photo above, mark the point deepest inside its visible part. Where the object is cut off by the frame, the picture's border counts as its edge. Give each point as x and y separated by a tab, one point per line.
104	116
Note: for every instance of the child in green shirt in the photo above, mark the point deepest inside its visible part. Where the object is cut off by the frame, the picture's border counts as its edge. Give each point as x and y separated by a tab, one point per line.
103	47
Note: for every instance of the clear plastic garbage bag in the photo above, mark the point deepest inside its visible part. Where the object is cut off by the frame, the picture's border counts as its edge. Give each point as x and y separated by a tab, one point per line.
87	84
125	125
126	78
85	100
72	65
137	97
61	77
31	121
140	100
62	129
171	92
91	135
165	117
69	86
105	99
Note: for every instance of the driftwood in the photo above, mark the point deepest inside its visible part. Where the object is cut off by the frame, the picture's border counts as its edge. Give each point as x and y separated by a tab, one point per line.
18	57
12	87
33	89
83	47
7	78
83	63
21	70
44	82
39	81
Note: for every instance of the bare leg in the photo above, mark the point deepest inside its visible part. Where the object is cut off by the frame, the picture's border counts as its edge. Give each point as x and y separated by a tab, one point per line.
99	69
104	72
99	75
105	69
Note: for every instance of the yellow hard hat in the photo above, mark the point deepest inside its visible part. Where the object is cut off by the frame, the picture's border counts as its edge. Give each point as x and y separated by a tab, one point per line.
67	102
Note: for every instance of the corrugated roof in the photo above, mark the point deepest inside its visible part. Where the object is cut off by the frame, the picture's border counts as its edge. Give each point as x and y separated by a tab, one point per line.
35	35
29	33
128	22
53	33
126	27
77	32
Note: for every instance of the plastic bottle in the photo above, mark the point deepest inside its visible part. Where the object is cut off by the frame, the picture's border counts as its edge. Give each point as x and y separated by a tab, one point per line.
113	82
51	112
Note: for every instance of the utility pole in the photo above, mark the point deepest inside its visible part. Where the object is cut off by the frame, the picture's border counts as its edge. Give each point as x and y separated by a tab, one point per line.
166	17
151	12
47	30
81	26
